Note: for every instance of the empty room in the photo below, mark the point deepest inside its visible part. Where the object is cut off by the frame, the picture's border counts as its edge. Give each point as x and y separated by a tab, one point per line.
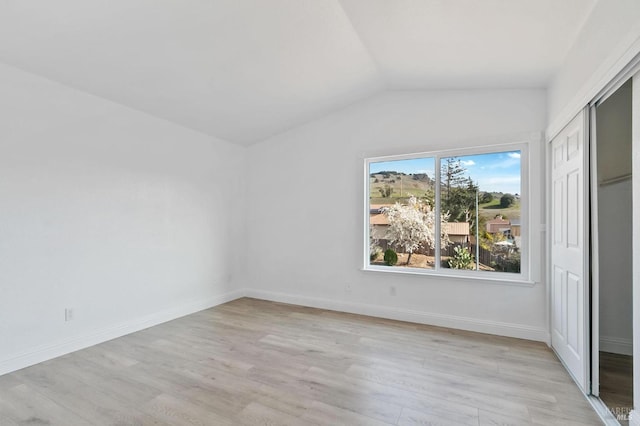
320	212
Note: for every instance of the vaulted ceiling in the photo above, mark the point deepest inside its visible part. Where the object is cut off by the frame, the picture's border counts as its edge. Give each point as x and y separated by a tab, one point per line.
243	70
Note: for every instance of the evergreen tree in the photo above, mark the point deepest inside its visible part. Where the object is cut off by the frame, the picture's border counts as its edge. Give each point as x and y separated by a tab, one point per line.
453	176
458	191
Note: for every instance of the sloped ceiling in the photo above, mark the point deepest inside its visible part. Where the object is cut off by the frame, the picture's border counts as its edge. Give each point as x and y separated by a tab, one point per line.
243	70
434	44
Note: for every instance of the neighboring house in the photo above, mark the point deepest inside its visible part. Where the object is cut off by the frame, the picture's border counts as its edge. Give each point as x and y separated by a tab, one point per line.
379	223
509	228
499	225
458	231
515	227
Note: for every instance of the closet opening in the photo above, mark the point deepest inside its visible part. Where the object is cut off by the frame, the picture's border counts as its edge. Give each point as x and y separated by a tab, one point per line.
612	250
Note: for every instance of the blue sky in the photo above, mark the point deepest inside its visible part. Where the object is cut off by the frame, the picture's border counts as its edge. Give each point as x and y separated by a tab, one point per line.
499	172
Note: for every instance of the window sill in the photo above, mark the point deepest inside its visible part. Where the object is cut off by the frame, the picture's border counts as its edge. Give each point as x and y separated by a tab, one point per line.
516	281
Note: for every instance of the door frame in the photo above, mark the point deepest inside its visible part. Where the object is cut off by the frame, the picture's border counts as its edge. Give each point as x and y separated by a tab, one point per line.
631	71
634	416
594	247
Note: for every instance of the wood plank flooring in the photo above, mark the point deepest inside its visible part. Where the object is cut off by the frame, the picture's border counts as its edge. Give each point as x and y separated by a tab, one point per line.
261	363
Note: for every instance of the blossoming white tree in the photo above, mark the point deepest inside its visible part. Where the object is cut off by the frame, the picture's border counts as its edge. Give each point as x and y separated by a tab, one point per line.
412	226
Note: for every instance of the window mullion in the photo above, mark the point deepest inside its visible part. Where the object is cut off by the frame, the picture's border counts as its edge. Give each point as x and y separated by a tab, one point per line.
437	216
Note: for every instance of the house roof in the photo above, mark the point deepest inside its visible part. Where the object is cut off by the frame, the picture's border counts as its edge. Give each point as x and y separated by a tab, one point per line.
452	228
457	228
246	70
498	225
379	219
498	221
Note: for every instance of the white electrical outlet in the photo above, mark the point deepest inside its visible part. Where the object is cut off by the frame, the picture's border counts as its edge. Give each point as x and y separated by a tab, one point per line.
392	290
68	314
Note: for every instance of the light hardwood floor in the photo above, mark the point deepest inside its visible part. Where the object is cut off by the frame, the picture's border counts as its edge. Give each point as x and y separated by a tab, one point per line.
262	363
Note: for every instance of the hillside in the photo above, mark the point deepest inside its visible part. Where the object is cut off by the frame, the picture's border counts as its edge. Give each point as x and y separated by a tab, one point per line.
490	210
403	186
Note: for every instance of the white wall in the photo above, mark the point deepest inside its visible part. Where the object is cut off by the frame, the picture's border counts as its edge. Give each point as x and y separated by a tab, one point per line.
126	218
305	213
609	39
615	245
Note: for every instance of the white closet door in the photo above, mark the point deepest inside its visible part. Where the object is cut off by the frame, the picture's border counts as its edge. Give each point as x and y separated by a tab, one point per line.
569	245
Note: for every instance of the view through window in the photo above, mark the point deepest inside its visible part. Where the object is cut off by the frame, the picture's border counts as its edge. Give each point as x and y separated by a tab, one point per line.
468	215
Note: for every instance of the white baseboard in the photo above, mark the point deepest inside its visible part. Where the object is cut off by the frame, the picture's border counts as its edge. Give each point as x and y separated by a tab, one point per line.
441	320
616	345
47	352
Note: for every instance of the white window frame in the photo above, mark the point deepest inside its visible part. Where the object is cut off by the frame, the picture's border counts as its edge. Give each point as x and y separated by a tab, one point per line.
524	277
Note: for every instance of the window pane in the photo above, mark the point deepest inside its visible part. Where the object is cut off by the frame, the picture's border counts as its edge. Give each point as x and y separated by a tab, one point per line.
482	189
401	213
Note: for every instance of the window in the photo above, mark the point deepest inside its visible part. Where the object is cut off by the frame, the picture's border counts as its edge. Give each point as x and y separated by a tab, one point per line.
448	213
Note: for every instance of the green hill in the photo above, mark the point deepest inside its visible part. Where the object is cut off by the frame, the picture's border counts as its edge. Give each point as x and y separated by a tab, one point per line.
402	186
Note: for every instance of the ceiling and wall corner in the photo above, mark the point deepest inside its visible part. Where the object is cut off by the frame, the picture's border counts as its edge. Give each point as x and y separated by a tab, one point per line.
246	70
608	41
464	44
237	70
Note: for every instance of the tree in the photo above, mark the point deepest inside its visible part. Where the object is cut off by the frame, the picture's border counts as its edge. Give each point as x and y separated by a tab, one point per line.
386	191
374	248
482	226
458	192
412	226
487	240
452	175
486	197
462	202
430	198
507	200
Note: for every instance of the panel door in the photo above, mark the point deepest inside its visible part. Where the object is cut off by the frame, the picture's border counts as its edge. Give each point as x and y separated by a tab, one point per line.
569	287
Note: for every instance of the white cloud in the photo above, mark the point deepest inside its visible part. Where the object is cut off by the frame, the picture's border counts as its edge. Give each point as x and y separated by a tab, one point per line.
514	155
511	161
501	180
468	163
